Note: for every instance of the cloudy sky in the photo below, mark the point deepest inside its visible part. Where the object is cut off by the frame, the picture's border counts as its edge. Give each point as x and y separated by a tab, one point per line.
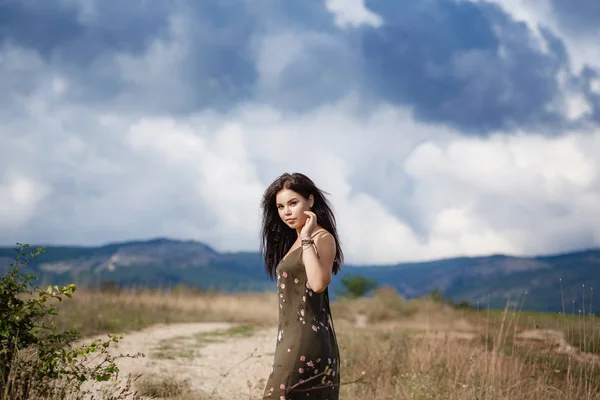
439	127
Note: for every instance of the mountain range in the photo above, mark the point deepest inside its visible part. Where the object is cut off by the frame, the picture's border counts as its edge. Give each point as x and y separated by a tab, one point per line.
545	283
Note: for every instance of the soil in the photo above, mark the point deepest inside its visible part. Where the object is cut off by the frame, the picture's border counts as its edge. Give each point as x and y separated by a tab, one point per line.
226	360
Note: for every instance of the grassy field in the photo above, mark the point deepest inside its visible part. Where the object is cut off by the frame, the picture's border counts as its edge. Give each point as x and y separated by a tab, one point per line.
92	313
391	348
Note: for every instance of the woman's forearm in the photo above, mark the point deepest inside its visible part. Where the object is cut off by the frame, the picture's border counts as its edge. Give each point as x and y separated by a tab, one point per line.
318	275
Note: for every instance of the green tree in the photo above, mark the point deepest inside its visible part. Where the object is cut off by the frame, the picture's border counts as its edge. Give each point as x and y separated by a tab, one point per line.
436	296
357	286
36	360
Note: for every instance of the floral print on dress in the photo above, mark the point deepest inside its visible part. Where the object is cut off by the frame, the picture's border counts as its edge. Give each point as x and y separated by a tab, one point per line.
306	350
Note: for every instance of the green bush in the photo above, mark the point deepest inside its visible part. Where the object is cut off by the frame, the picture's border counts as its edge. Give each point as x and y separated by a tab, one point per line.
437	297
357	286
36	360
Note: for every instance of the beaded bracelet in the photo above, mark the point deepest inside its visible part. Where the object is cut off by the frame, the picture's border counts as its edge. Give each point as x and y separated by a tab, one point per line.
307	241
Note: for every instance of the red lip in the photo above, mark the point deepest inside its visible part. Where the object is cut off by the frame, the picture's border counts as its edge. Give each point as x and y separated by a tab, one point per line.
290	219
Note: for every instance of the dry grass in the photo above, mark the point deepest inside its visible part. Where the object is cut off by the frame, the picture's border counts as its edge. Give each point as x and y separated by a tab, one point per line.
403	366
407	350
584	334
168	387
441	353
385	305
92	312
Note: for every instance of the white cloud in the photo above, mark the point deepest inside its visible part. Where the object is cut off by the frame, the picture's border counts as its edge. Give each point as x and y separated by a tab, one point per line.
577	106
104	176
457	229
217	170
19	197
572	104
79	173
352	13
521	194
595	86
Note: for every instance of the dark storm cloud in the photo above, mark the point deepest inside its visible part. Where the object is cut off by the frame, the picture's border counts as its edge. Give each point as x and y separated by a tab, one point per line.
465	64
83	46
220	41
587	82
444	59
78	45
60	30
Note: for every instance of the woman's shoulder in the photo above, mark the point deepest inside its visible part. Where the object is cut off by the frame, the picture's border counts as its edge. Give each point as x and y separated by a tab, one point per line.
320	233
323	237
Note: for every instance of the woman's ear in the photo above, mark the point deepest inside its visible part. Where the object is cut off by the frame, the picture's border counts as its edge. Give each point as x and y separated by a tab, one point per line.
311	201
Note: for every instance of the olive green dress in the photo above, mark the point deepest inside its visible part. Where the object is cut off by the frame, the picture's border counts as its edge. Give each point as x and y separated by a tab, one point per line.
306	362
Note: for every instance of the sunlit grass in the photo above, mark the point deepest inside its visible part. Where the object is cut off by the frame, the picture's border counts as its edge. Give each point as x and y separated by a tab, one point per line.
91	312
391	348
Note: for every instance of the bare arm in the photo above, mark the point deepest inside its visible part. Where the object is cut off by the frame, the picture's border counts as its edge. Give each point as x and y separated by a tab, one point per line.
319	262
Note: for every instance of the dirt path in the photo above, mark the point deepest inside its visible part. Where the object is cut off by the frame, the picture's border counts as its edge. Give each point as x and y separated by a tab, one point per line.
228	360
232	361
556	341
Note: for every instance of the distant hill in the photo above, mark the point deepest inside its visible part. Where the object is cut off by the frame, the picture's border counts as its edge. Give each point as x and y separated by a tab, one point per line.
164	263
157	263
498	278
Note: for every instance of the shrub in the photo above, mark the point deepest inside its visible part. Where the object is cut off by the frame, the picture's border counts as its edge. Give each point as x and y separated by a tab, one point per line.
36	360
437	297
357	286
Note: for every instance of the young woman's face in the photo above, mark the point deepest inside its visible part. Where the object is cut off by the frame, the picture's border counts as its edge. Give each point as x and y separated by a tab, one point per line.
291	207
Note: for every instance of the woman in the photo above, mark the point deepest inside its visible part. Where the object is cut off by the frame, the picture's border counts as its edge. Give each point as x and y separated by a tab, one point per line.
301	249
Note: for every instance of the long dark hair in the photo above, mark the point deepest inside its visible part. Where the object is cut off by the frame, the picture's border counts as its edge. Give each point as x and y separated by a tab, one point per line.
276	237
